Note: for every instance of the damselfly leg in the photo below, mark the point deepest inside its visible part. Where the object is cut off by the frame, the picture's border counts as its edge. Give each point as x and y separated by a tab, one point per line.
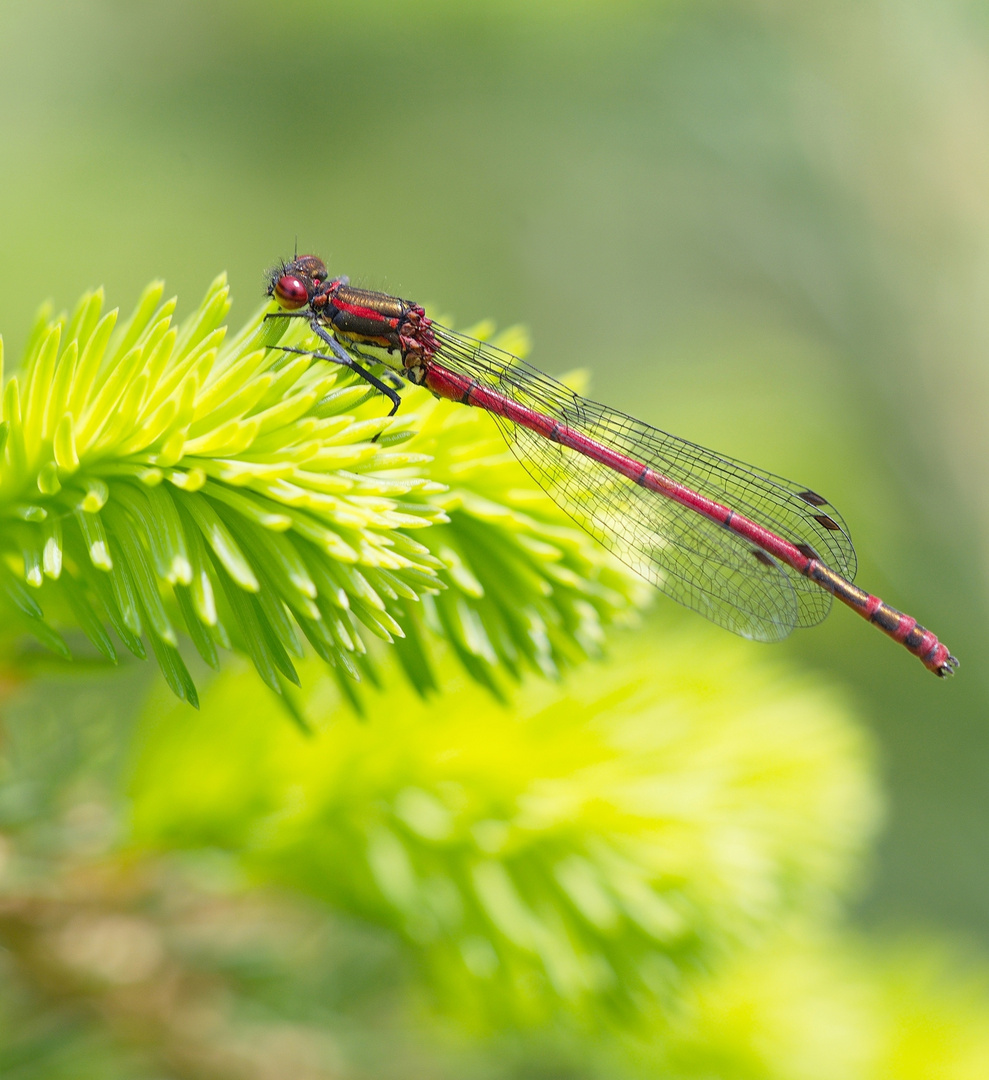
344	359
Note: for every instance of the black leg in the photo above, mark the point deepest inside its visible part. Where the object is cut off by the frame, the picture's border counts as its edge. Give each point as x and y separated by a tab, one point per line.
387	375
320	331
340	357
330	340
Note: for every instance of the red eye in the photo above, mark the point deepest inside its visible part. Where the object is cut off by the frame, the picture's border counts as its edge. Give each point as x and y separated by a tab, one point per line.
290	292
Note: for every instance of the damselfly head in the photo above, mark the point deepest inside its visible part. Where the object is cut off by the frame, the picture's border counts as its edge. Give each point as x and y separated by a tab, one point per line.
291	292
293	284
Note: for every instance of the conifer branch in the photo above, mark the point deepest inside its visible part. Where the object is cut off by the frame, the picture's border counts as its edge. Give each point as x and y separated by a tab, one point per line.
162	481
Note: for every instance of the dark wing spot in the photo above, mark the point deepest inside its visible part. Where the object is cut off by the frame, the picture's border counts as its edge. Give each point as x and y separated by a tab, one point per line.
806	549
827	522
762	557
812	497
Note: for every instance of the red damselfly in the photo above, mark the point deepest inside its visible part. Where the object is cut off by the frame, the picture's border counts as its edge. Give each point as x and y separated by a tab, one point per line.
755	553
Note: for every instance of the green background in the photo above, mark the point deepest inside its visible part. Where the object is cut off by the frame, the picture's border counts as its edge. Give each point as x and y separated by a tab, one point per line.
762	226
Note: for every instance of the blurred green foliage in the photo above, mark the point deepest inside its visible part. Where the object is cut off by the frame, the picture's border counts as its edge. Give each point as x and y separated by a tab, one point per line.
760	225
636	875
590	848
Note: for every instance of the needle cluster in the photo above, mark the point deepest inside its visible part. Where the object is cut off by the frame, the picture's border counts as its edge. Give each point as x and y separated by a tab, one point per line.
162	480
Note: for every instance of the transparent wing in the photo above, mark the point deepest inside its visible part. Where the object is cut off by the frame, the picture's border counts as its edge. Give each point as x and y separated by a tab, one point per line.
692	559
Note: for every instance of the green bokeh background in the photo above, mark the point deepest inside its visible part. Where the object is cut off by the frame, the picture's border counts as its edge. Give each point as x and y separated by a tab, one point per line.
761	225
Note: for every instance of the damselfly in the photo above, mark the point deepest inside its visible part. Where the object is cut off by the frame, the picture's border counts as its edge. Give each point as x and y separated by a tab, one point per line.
757	554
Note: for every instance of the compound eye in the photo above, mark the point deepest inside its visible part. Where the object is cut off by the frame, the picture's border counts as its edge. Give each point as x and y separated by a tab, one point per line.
290	292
